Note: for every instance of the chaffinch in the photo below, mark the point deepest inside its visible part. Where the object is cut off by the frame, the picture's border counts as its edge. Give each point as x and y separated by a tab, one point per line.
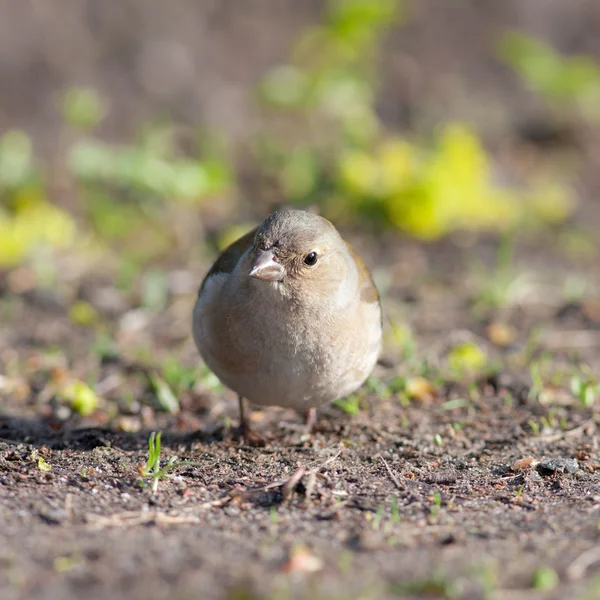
289	315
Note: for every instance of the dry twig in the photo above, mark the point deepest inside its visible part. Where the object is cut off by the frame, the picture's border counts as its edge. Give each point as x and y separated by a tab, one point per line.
578	568
392	476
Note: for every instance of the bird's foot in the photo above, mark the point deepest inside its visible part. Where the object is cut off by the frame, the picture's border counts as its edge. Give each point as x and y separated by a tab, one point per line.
295	427
308	427
245	434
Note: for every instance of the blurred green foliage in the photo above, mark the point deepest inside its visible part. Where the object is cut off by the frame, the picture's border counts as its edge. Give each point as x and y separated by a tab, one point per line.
123	192
17	168
429	192
466	357
352	168
83	108
134	196
128	188
333	152
150	168
332	72
28	221
563	82
81	397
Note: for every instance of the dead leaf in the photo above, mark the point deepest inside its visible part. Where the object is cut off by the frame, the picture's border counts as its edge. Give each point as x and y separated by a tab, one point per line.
501	335
524	463
302	560
591	309
419	388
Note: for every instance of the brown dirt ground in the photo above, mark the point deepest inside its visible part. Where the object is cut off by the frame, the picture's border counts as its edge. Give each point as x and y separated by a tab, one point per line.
382	508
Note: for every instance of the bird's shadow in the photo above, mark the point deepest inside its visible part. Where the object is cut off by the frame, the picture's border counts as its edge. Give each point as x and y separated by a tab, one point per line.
39	431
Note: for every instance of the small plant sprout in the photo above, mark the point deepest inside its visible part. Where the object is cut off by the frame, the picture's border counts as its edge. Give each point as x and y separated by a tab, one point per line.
350	405
378	518
180	376
378	387
164	394
152	469
537	379
466	358
273	516
544	579
454	404
227	422
404	339
535	428
437	504
83	398
381	521
585	389
394	510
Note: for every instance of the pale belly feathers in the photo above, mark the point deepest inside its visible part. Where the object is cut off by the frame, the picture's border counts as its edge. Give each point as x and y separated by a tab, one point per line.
275	361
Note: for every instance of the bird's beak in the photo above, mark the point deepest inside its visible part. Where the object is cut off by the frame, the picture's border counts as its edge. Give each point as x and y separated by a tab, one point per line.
266	268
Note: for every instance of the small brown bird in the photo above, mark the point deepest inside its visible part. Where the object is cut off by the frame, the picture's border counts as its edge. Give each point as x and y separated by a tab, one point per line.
289	315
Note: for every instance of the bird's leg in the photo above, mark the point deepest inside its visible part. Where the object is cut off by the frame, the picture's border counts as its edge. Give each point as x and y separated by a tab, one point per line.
245	432
309	425
244	425
310	419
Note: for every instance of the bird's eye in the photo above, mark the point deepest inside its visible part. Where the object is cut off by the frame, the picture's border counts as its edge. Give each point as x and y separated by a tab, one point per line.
311	259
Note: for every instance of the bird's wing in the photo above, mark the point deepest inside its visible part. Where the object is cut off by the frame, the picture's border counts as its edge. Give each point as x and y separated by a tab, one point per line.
229	258
368	290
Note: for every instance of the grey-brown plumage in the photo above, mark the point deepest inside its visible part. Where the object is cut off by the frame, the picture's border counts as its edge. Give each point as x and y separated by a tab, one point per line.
289	315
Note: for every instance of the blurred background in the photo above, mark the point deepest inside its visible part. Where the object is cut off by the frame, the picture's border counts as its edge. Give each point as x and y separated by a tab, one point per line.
455	143
137	138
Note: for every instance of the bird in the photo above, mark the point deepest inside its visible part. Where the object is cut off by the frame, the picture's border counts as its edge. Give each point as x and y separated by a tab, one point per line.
289	315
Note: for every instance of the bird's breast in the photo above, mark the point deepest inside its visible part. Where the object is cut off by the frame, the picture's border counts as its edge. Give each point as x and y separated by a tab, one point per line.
276	352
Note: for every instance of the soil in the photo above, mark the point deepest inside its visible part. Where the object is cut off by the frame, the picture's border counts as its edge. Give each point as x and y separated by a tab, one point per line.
465	521
478	488
424	499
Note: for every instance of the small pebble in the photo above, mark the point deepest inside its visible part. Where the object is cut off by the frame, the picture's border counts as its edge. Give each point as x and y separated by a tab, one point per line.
560	465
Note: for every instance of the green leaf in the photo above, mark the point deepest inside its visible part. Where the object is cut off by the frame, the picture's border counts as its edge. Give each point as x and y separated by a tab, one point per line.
43	465
82	397
545	579
455	403
576	386
16	159
467	357
589	396
83	108
164	394
350	405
